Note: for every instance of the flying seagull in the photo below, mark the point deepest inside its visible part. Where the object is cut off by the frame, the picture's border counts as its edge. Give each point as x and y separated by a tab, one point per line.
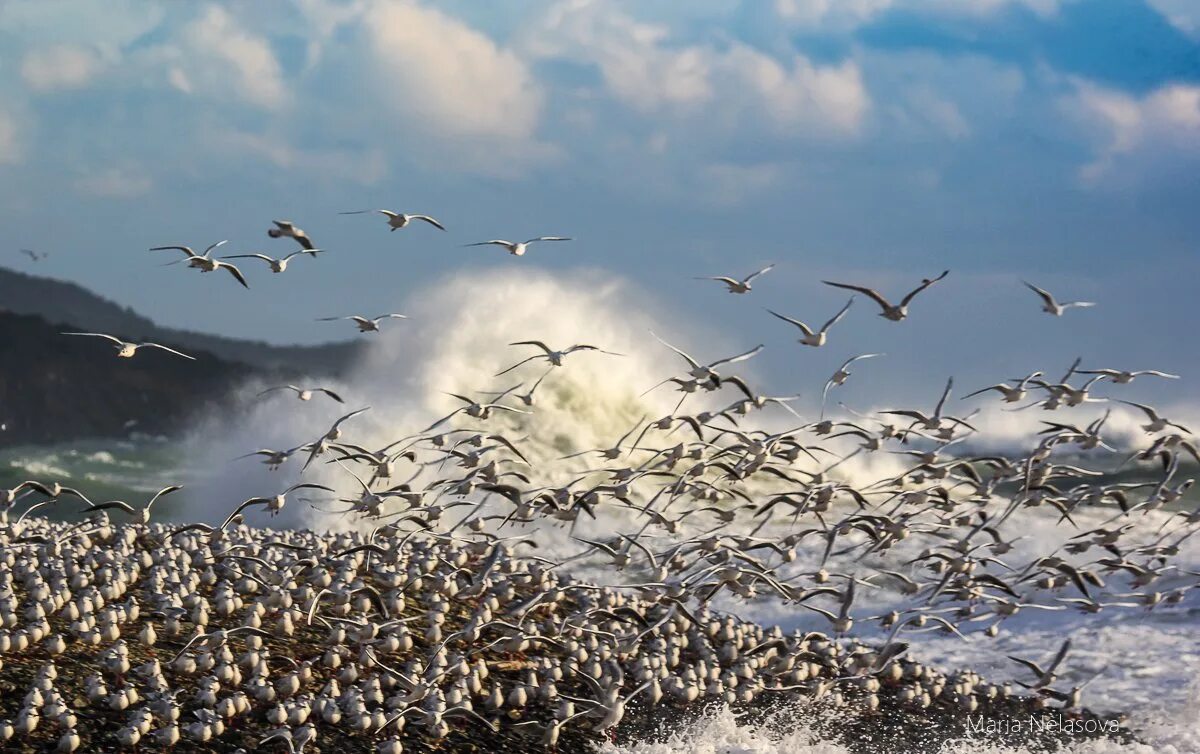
127	350
518	249
288	229
1050	306
397	220
740	286
815	339
892	312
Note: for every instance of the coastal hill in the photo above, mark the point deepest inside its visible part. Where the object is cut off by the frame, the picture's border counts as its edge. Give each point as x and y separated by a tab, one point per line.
66	303
55	389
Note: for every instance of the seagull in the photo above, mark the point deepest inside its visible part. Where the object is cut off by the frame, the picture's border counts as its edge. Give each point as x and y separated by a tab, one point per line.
1157	423
1121	377
554	357
36	256
1011	393
204	262
705	372
276	265
1050	306
815	339
286	229
841	375
743	285
518	249
397	220
127	350
144	514
364	324
1045	676
304	394
894	313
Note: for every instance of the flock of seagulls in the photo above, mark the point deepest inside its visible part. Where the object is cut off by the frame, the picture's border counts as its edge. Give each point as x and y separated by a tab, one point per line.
442	618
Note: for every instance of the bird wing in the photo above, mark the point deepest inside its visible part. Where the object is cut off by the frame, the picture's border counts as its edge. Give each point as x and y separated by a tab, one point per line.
213	246
118	341
695	364
185	249
548	238
263	257
924	284
350	415
237	274
163	491
803	327
165	348
853	359
331	394
1044	294
1148	411
537	343
837	317
763	271
739	357
390	316
493	242
870	293
366	211
429	220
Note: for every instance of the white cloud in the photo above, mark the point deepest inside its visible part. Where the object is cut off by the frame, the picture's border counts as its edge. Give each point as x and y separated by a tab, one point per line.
643	70
448	79
1183	14
10	145
848	14
115	183
729	184
363	168
59	67
1165	121
220	53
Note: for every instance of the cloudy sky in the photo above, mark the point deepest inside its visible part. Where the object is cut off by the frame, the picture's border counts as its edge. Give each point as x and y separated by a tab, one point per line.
879	141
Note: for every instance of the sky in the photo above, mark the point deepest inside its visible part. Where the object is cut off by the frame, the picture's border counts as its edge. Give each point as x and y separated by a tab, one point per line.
873	141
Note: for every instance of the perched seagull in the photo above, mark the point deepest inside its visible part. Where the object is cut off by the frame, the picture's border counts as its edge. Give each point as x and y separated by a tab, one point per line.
1122	377
127	350
364	324
287	229
518	249
1050	306
36	256
810	338
276	265
894	313
204	262
554	357
304	393
397	220
743	285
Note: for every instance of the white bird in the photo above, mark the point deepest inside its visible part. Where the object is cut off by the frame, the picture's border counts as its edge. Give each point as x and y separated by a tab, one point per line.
740	286
364	324
815	339
554	357
276	265
304	393
1050	306
1157	423
706	371
841	375
1122	377
288	229
515	248
893	312
397	220
127	350
204	262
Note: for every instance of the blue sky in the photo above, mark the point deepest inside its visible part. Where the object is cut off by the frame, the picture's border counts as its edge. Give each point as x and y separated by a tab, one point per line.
875	140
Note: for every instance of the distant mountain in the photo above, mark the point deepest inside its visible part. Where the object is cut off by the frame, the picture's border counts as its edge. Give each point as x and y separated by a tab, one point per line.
64	303
55	388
